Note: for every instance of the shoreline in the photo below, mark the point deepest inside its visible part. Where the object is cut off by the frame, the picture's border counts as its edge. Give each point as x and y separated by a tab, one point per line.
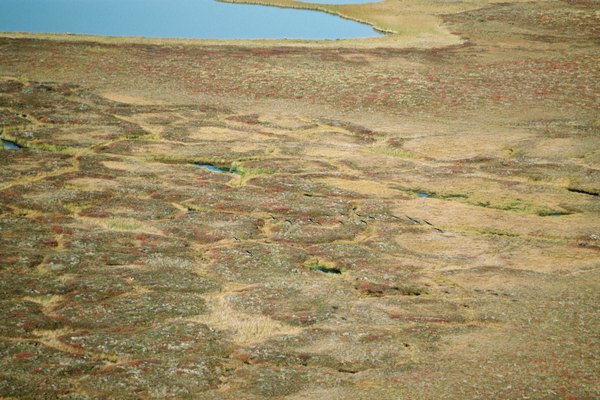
428	35
317	7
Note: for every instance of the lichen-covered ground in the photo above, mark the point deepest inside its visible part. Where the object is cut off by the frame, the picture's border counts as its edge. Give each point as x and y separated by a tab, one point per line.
391	223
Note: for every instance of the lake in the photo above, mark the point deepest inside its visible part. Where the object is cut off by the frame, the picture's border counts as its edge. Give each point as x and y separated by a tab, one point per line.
206	19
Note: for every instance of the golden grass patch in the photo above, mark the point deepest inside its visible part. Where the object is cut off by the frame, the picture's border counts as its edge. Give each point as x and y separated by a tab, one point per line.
130	99
244	328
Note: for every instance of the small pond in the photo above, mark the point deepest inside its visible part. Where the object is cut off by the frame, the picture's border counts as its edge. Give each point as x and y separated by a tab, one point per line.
214	168
205	19
326	270
10	145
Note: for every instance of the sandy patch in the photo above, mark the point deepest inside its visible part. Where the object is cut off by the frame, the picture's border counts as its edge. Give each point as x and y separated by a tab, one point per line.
136	166
128	99
215	133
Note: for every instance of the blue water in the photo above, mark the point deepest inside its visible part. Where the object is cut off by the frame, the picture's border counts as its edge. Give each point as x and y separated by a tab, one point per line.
10	145
422	195
215	169
205	19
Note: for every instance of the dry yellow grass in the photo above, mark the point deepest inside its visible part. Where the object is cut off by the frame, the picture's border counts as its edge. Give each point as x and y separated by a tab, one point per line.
129	99
244	328
363	186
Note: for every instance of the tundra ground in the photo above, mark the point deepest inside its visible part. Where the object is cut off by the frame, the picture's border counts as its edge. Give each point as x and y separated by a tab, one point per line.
392	223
